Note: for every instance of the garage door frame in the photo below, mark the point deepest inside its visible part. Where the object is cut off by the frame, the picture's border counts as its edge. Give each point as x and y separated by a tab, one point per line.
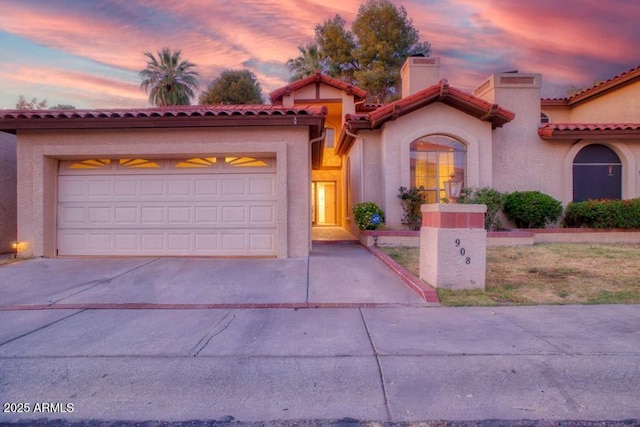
212	206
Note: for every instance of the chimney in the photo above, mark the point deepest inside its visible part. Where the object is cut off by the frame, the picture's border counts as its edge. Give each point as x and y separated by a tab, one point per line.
419	72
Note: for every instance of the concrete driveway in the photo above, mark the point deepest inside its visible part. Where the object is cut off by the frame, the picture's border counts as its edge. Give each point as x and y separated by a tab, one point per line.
93	340
333	274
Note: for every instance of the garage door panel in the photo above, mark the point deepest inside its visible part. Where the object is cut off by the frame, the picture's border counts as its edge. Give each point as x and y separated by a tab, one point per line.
262	215
100	215
179	215
153	215
74	188
180	188
173	214
262	187
206	215
123	241
125	215
206	187
159	215
72	215
262	241
239	242
126	188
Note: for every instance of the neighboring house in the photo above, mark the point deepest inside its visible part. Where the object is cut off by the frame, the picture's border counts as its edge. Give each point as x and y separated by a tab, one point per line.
7	191
252	180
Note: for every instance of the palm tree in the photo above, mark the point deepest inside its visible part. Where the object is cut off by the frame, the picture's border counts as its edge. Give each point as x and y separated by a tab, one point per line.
307	63
168	79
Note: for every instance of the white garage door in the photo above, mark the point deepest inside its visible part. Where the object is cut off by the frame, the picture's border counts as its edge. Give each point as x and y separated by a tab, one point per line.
221	206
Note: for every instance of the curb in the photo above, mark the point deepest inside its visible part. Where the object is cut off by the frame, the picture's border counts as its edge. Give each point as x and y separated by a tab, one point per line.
425	291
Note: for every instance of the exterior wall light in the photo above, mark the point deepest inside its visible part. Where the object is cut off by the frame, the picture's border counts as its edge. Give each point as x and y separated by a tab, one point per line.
15	245
452	188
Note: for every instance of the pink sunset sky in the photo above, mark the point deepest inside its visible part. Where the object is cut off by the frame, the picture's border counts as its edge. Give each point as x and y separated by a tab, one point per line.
89	53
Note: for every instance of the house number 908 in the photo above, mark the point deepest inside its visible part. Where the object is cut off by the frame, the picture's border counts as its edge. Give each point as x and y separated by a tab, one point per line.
467	260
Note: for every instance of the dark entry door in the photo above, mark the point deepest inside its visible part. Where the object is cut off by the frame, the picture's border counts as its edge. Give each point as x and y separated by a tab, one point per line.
597	174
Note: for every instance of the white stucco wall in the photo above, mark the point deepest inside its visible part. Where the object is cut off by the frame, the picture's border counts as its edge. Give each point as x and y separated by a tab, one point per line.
7	191
523	161
437	118
39	151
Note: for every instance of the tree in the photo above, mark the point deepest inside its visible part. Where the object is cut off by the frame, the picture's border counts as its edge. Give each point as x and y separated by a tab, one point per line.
307	63
169	80
370	56
34	104
335	45
62	107
386	37
233	87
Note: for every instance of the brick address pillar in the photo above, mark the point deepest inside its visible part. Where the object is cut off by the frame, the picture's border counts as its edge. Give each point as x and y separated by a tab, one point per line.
453	246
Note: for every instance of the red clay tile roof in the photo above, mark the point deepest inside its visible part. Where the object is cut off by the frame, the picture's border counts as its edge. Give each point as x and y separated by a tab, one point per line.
589	130
595	90
440	92
175	116
172	111
277	95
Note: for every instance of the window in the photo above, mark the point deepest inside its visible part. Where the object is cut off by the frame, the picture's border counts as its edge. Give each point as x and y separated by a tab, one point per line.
329	138
197	162
138	163
544	118
434	160
90	164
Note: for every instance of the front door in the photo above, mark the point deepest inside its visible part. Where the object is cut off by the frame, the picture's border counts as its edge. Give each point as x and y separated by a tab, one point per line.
324	202
597	174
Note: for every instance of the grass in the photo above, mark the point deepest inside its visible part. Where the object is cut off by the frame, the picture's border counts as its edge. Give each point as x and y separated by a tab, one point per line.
559	273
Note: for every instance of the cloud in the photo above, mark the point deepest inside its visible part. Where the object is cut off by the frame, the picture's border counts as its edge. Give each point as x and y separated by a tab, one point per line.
570	42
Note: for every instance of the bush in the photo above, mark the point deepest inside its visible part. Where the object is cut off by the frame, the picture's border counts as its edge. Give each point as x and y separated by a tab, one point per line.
531	209
603	214
411	201
363	212
484	196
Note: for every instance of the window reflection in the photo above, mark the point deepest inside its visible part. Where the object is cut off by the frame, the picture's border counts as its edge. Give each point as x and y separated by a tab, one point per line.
434	160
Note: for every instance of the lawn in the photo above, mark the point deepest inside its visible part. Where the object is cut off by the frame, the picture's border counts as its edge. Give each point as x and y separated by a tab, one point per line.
567	273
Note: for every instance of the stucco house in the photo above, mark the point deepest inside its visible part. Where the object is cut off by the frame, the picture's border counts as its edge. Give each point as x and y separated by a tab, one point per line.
253	180
502	135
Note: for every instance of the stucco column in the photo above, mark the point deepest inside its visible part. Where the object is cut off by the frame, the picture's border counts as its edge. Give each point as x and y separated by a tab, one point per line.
453	246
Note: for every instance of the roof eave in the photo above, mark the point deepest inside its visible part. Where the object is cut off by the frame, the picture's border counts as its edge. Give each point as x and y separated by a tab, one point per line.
277	95
554	134
315	121
605	87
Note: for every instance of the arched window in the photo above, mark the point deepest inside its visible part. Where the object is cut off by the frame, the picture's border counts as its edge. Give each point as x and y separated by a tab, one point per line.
597	174
436	159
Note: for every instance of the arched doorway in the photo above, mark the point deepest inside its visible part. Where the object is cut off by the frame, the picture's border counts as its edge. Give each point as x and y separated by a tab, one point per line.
436	159
597	174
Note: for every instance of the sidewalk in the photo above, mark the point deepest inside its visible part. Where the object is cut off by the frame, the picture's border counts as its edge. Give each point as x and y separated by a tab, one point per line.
404	363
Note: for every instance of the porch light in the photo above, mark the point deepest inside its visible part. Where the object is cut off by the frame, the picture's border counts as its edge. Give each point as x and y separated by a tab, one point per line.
452	188
15	245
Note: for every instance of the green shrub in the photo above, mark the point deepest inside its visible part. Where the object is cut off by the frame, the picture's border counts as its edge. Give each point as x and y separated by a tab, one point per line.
531	209
363	212
411	200
603	214
484	196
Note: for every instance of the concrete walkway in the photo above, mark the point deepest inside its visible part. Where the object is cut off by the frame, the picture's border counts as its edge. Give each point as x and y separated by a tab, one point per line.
402	362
